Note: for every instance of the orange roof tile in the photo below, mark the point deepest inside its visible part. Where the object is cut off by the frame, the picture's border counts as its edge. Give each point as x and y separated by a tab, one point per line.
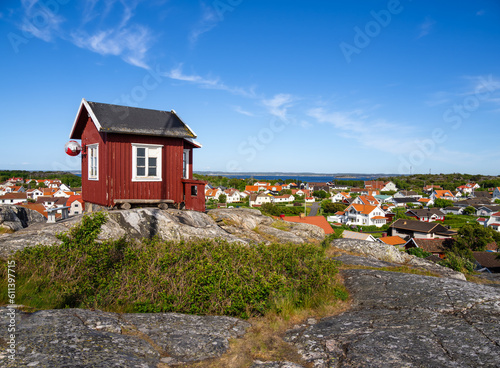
393	240
312	220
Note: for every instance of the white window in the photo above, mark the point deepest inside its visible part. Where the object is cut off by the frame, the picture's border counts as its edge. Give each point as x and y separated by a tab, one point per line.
93	160
185	164
146	162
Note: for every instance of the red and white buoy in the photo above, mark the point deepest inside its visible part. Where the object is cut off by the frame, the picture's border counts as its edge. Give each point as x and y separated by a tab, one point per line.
72	148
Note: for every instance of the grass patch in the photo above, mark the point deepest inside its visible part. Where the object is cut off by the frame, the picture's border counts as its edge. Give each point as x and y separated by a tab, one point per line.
210	277
6	230
281	225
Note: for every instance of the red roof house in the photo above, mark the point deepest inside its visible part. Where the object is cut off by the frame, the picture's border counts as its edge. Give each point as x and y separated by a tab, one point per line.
133	155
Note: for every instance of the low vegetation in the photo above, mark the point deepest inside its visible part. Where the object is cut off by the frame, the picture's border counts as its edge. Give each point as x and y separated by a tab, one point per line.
196	277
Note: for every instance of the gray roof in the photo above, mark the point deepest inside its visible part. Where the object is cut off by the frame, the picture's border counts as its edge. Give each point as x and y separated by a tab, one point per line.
130	120
405	200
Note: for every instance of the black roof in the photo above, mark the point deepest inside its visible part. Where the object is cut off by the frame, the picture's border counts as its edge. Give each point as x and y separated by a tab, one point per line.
130	120
423	227
426	212
405	200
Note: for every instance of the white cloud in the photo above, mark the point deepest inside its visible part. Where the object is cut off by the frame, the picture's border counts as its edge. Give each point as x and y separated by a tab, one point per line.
480	12
426	27
239	110
278	105
209	19
210	83
131	44
40	20
372	133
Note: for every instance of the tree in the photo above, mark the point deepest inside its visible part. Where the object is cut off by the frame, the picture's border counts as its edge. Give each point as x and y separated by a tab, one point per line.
469	210
473	236
442	203
329	207
321	194
222	198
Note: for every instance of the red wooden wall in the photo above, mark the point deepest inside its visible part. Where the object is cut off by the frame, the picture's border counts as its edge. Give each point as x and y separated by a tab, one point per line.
115	169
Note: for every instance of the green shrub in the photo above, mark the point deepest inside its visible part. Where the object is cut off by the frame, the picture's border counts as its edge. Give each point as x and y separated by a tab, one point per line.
418	252
457	263
197	277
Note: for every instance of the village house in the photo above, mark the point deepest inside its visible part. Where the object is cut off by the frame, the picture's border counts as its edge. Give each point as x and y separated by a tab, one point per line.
496	193
260	199
427	215
404	201
488	210
370	200
364	215
340	197
453	210
34	193
396	241
136	156
13	198
286	198
442	194
437	247
426	202
468	188
346	234
406	194
381	186
213	194
494	221
418	229
430	188
75	204
232	195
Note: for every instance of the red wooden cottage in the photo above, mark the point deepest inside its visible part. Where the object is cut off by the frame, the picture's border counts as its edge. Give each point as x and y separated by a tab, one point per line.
136	156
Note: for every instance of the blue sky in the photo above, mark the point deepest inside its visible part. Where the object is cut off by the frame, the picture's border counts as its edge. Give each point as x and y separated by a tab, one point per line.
300	86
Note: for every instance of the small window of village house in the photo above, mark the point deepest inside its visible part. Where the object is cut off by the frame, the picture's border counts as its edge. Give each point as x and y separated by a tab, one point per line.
93	161
146	162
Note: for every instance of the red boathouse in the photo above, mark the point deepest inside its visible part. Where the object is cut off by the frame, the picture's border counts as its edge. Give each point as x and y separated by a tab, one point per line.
136	156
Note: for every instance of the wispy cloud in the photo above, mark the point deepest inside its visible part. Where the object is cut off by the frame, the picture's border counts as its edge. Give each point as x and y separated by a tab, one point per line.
369	132
278	105
40	21
208	82
127	40
480	12
131	44
209	19
426	27
239	110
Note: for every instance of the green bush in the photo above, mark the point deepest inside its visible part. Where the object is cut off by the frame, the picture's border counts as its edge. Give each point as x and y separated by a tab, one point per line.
197	277
418	252
457	263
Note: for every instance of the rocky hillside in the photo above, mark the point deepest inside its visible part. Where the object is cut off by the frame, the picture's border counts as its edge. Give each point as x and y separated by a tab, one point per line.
235	225
395	319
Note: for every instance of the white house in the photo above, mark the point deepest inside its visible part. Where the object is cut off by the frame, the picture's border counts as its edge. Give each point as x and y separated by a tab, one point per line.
232	195
407	193
496	193
364	215
64	188
494	221
468	188
346	234
287	198
34	193
371	200
212	194
63	193
310	200
75	204
13	198
442	194
260	199
341	197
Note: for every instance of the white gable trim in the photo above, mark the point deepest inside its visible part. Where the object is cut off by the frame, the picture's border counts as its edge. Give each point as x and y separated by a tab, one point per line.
90	112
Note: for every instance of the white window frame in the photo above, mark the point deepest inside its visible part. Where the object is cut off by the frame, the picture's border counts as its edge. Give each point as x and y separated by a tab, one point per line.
185	163
93	152
158	176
